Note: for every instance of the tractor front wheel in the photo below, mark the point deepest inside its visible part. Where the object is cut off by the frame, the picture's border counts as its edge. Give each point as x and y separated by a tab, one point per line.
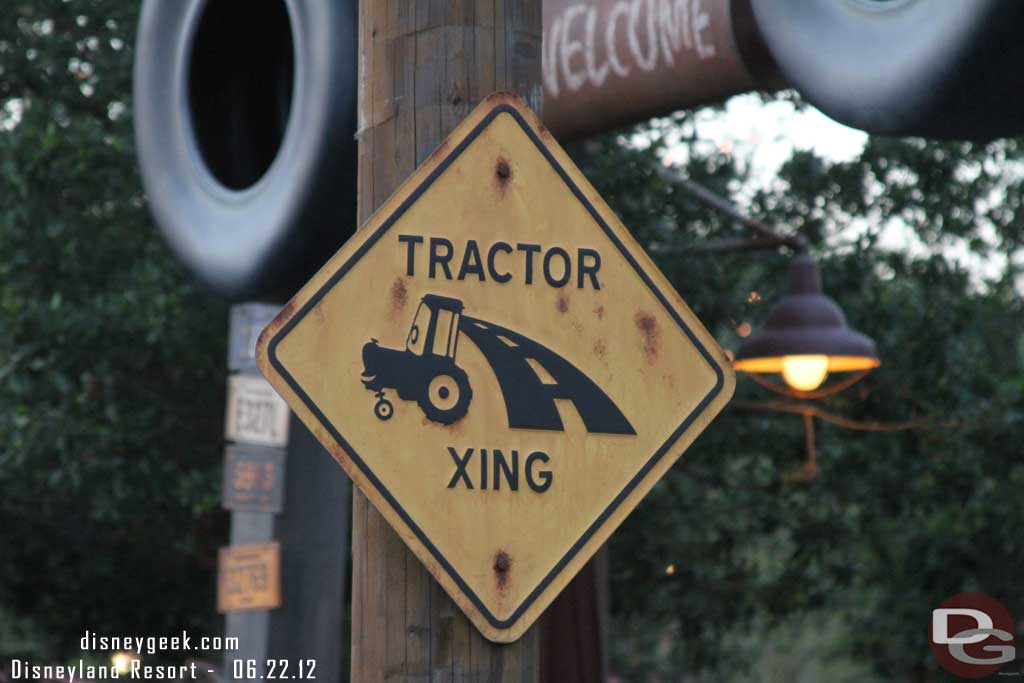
446	397
383	409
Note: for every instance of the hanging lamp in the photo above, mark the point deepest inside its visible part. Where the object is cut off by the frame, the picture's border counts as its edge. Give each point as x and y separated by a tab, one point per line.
806	337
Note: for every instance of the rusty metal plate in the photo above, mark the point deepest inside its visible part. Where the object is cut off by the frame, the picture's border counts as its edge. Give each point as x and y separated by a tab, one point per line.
249	577
498	365
253	478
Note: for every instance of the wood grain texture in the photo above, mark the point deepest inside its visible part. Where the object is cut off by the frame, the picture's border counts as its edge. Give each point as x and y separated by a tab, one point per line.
574	629
424	65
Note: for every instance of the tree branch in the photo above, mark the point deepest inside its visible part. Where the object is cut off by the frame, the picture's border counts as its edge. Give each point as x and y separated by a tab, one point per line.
713	201
813	411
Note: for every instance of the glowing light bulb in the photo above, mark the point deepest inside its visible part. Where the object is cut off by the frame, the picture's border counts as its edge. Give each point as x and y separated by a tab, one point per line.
804	373
122	662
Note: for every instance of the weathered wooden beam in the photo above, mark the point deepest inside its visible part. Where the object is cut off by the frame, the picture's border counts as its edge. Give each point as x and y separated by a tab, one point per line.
610	63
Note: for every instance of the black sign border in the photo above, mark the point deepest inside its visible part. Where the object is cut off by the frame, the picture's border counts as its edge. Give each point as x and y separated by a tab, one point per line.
369	243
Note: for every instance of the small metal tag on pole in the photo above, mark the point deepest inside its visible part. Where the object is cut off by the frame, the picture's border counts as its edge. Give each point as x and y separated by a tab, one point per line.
281	581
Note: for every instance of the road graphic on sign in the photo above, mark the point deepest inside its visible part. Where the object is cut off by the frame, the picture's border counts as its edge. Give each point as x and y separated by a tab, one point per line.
426	372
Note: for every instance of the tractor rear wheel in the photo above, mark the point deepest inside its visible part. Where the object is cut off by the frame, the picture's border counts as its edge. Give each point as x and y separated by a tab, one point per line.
446	397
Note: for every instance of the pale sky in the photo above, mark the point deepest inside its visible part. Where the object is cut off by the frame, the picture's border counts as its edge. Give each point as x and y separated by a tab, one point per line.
767	134
763	136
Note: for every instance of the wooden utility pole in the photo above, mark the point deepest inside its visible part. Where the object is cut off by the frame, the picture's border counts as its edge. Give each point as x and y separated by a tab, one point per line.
423	66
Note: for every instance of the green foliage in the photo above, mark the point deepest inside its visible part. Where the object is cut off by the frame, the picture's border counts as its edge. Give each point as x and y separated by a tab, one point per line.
111	364
21	638
895	522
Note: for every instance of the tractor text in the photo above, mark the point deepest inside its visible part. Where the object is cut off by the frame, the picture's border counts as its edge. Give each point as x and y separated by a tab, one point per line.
501	262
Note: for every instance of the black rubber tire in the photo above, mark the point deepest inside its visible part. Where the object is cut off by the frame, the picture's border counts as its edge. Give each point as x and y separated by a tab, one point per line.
935	68
457	411
249	162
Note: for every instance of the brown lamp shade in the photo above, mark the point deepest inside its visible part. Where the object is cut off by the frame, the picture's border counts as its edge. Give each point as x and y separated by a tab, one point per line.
806	323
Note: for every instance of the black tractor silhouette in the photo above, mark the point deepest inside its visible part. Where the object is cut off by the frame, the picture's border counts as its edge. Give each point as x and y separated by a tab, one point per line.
425	370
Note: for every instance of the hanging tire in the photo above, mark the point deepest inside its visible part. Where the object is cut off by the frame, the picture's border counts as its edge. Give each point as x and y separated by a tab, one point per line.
936	68
446	397
244	119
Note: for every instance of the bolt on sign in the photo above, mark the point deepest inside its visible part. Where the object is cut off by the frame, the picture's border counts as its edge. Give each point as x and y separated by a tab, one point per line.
498	365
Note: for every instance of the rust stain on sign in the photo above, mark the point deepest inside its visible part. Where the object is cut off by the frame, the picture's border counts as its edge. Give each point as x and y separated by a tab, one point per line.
503	175
502	565
399	295
502	170
648	326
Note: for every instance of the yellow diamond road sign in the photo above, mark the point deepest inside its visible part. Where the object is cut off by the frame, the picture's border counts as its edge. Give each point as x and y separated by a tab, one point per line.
498	366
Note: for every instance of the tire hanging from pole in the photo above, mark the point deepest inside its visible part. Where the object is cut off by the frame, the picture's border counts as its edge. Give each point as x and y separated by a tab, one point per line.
244	122
947	69
245	109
